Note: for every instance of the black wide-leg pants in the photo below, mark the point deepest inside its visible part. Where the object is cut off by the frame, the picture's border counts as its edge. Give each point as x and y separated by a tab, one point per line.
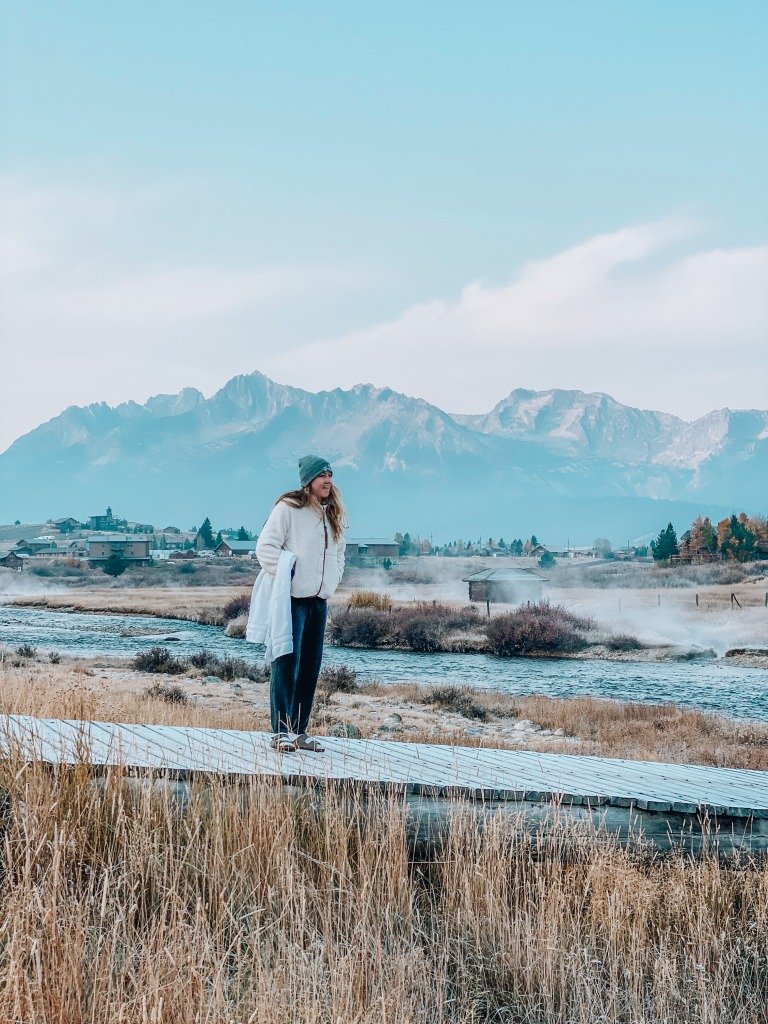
294	676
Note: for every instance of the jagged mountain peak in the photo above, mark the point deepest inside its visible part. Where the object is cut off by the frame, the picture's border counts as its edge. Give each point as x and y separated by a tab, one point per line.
400	456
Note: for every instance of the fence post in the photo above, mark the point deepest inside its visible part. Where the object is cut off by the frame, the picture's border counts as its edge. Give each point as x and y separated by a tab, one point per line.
697	600
658	600
488	608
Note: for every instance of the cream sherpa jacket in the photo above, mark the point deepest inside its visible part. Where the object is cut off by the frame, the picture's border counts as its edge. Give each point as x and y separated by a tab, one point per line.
307	533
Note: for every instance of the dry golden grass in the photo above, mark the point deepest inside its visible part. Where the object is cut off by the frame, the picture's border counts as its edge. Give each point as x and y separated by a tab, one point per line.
607	728
76	692
369	599
118	906
194	604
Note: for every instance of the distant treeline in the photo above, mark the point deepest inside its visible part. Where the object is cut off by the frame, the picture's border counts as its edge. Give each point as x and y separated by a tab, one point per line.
737	538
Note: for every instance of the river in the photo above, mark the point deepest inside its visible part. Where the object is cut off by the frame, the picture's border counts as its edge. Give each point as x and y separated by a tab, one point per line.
704	685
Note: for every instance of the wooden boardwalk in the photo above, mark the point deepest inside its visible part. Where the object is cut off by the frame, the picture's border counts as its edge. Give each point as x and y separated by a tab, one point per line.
668	796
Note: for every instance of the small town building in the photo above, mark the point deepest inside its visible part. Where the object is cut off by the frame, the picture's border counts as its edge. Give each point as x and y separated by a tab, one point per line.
238	548
372	547
45	547
505	586
103	522
131	547
66	525
14	560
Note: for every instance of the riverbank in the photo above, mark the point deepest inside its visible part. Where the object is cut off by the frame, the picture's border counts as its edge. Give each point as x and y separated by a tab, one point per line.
209	605
111	690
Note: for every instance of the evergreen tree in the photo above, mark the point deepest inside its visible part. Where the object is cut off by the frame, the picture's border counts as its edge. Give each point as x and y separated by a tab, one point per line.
405	545
665	545
534	541
219	539
115	565
205	533
243	534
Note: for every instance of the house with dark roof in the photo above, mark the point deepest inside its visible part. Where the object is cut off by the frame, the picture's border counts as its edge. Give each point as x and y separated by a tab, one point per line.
238	548
66	525
372	547
14	560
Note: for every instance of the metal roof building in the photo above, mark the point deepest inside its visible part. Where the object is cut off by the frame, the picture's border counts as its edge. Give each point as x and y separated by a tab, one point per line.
505	586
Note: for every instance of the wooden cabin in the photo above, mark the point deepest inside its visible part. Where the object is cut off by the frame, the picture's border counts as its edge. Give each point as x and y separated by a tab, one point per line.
505	586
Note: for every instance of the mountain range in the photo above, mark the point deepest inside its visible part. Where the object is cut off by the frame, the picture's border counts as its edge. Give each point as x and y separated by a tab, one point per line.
565	465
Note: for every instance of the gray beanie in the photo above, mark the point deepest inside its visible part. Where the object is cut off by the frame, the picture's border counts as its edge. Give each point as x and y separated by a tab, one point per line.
311	466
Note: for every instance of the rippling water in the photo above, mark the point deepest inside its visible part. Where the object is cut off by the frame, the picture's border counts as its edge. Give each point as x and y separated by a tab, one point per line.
707	686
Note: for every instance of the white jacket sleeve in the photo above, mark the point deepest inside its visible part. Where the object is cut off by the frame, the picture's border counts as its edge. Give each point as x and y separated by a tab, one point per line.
341	555
272	538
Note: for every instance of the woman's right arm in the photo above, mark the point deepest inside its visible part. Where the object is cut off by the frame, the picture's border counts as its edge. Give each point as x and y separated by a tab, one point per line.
272	538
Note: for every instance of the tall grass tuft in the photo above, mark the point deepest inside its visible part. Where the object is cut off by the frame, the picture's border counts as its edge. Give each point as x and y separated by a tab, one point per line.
118	904
369	599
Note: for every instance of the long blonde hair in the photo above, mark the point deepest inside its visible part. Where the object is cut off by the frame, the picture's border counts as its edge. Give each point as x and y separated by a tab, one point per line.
334	507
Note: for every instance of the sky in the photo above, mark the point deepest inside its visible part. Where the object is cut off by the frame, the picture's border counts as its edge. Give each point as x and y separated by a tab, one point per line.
451	199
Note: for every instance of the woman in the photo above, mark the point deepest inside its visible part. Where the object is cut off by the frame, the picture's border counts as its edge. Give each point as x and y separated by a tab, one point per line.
310	523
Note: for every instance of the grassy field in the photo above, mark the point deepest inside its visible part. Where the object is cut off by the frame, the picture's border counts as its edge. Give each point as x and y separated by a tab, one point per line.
257	905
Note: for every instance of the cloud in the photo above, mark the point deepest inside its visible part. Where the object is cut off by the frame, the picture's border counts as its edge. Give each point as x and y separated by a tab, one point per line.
92	310
623	312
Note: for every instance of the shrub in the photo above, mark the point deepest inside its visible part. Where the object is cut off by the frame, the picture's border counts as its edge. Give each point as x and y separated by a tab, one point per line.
453	698
361	627
54	657
237	668
159	659
114	565
236	607
369	599
170	692
337	679
623	642
26	651
419	633
187	568
202	659
536	629
229	668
